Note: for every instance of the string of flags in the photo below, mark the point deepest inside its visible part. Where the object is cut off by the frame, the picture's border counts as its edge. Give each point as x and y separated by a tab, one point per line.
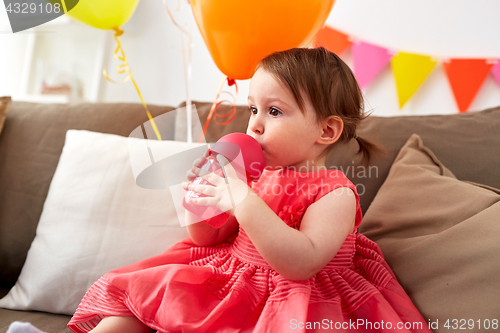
465	75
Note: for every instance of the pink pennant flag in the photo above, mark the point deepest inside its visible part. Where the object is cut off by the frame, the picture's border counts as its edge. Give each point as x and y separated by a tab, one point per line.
368	60
496	71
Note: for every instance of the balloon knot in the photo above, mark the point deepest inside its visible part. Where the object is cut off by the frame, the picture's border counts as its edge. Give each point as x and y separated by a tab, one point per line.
230	81
118	31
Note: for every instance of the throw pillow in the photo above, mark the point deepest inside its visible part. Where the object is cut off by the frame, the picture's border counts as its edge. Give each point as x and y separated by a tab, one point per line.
4	108
463	142
440	237
30	147
95	219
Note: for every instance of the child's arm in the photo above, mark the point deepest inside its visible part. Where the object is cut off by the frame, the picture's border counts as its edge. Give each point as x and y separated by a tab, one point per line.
294	254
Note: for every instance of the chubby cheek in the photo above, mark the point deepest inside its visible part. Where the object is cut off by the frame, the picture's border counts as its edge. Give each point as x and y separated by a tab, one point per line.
278	155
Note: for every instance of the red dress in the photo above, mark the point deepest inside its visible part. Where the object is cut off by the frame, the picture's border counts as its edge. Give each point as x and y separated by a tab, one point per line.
230	288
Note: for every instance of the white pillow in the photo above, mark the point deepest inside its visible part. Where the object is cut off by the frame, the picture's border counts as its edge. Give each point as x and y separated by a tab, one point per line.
95	219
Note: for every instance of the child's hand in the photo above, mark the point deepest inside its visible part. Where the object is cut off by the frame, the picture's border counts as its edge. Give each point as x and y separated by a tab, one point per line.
197	164
224	196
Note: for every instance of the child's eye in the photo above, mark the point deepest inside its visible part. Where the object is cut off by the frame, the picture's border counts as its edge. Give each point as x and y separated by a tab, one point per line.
252	109
274	111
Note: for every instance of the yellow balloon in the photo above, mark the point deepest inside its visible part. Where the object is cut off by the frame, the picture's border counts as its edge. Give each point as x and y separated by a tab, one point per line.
103	14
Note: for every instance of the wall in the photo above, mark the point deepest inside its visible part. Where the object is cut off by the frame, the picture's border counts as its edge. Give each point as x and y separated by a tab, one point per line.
445	28
12	52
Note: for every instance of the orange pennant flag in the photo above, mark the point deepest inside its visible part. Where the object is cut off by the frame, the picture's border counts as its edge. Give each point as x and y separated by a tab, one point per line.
466	76
332	40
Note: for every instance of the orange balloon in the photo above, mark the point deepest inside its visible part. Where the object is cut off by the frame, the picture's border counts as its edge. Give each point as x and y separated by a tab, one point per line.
239	33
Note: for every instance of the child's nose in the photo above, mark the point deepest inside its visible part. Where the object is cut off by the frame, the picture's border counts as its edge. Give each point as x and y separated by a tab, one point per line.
256	126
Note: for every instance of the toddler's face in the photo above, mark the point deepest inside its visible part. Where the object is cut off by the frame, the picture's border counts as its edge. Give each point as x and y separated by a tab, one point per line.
285	134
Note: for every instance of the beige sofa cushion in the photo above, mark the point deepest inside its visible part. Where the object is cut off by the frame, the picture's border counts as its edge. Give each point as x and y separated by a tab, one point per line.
47	322
30	145
440	237
4	108
466	143
96	219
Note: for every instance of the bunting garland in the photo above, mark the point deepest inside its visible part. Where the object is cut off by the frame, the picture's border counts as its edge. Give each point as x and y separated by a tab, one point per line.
332	40
465	76
496	71
369	60
410	71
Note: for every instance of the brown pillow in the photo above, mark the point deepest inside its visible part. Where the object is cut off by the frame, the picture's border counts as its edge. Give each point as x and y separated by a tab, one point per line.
30	145
4	108
465	142
440	237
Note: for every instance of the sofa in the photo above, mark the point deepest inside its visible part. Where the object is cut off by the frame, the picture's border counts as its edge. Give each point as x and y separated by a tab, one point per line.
431	204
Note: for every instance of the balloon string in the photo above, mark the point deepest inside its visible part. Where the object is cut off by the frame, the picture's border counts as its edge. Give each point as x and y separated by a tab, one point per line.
231	106
124	68
173	20
216	106
63	3
212	110
186	61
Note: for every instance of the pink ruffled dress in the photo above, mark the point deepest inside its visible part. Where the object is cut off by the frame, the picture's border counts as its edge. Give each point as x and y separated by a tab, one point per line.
230	287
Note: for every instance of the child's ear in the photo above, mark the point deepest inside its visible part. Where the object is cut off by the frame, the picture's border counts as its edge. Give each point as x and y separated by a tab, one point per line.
332	128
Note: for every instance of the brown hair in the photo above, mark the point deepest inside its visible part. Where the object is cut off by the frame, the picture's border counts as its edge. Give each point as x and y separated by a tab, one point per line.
331	86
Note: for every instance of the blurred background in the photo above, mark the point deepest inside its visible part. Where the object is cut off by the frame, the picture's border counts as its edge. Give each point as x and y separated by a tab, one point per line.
62	60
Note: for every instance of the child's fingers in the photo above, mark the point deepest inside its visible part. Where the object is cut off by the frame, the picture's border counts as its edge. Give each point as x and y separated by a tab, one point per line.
198	172
200	188
203	201
212	178
195	173
190	176
199	162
